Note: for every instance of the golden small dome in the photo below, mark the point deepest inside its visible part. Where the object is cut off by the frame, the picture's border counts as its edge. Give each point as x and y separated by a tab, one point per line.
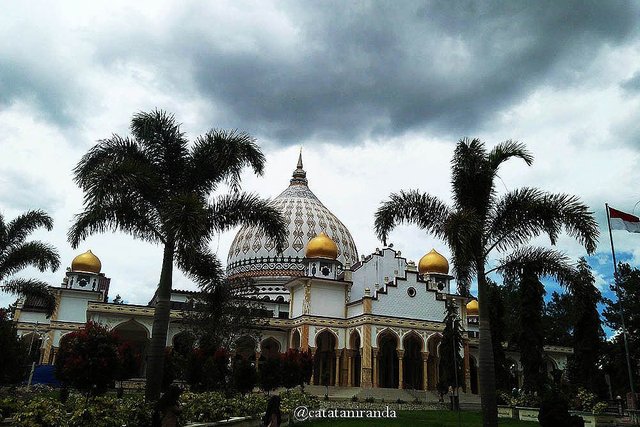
86	262
433	262
472	308
322	246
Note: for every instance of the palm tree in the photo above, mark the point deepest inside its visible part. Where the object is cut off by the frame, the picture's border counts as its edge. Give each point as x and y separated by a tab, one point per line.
17	254
157	188
480	222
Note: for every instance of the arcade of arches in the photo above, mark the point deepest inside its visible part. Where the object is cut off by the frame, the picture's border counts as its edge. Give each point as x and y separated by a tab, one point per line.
406	362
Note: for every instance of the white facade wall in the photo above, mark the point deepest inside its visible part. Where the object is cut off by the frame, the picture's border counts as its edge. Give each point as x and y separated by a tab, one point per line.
397	303
355	310
73	306
327	300
380	265
296	302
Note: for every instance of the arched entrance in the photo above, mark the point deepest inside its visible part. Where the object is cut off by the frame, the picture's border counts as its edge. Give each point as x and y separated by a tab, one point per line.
388	360
295	339
355	359
433	374
137	336
269	348
324	364
33	343
473	372
412	362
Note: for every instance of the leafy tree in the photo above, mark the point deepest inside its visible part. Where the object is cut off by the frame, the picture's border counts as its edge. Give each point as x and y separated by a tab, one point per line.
531	338
88	359
14	351
244	375
291	368
306	367
480	222
156	187
17	254
627	281
209	370
224	313
270	374
451	363
557	319
498	330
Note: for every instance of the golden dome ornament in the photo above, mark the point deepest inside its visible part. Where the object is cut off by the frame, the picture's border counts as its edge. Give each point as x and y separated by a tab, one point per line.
322	246
86	262
473	308
433	262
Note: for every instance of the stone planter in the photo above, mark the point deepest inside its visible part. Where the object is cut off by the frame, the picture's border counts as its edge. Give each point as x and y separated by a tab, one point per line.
596	420
507	412
527	414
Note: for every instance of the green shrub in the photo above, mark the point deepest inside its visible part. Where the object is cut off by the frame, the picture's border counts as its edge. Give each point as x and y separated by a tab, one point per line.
204	407
8	406
599	407
41	412
103	411
584	400
291	399
249	405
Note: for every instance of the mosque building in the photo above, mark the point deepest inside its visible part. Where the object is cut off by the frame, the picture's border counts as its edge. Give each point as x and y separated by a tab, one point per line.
370	321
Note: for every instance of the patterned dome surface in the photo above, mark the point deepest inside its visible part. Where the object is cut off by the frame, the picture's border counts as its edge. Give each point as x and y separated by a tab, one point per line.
253	255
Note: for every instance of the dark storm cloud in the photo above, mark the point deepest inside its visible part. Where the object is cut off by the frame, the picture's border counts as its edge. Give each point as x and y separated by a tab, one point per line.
384	68
349	70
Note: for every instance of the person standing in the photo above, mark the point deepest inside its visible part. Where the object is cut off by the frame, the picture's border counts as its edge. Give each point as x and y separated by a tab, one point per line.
272	418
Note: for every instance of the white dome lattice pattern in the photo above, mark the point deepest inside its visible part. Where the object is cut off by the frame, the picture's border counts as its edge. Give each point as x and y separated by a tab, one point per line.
253	255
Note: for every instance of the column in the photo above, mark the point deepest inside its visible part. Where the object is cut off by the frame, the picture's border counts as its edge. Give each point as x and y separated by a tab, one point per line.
467	369
366	374
257	360
400	370
313	373
374	361
337	373
425	370
349	368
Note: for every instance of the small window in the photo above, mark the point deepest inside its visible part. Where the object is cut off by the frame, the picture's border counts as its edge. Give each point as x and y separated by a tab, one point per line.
411	292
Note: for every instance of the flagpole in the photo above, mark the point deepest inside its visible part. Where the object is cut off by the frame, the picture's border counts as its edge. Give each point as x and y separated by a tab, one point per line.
624	328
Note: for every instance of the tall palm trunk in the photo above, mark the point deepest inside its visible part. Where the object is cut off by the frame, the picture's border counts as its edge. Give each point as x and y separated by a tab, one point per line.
488	396
155	359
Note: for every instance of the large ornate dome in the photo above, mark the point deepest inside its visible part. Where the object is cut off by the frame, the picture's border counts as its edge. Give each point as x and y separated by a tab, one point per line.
252	255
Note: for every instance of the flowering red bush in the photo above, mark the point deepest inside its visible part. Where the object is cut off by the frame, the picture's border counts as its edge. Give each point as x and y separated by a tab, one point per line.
88	359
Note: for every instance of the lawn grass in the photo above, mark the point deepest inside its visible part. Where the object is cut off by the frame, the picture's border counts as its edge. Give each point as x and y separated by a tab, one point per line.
420	418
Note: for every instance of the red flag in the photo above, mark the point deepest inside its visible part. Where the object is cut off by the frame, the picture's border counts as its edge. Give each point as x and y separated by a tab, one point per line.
619	220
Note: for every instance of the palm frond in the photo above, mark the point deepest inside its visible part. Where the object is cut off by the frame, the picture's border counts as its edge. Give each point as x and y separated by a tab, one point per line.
411	207
541	262
221	155
462	230
117	166
162	140
32	289
249	210
186	218
202	266
471	177
21	226
35	253
129	216
528	212
507	150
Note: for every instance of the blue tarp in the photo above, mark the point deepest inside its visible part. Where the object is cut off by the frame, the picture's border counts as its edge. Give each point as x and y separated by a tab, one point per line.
44	374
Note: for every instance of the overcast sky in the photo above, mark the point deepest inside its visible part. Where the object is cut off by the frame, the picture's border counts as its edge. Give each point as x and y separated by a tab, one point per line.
377	93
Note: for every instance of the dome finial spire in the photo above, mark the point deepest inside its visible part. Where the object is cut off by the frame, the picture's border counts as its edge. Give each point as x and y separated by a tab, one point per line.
299	175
